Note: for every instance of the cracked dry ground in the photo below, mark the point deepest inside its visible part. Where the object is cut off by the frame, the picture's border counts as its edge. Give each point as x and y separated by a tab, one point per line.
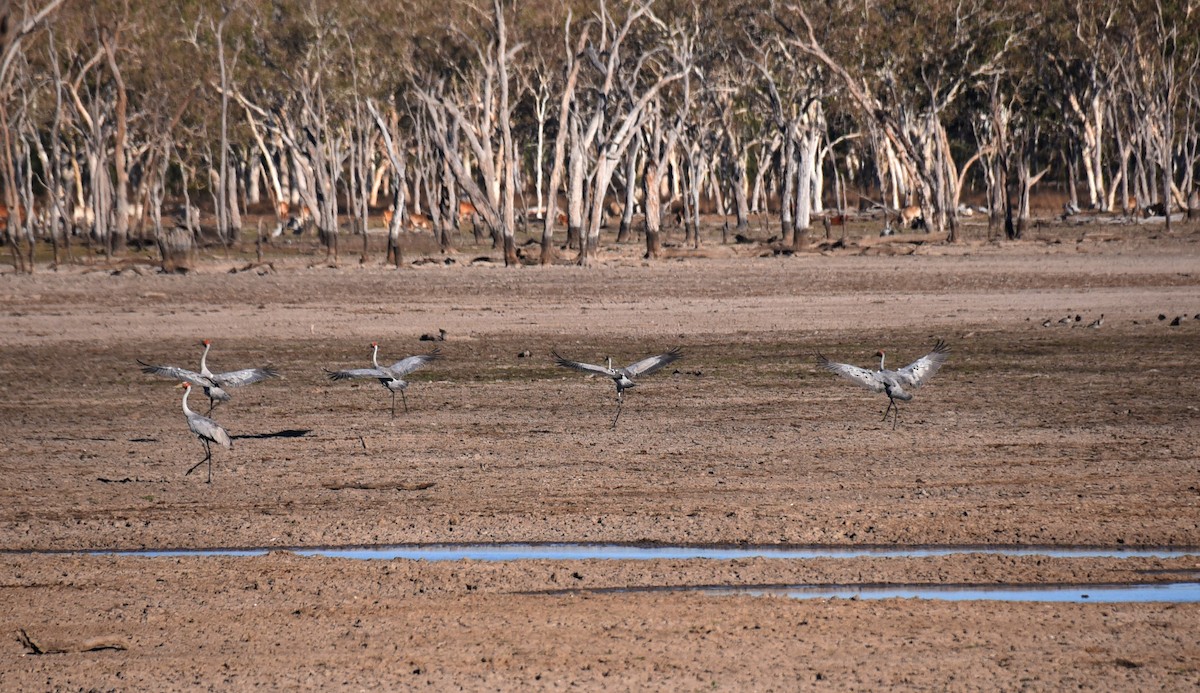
1030	435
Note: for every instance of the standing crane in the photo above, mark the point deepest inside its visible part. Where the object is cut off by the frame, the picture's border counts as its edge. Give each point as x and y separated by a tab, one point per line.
391	377
622	377
214	384
207	430
892	383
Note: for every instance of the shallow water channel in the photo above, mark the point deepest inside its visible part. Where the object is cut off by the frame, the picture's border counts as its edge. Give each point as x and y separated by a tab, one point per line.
1174	591
645	552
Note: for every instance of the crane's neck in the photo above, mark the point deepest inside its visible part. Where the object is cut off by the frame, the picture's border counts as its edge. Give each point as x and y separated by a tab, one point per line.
881	357
375	355
186	391
203	363
610	363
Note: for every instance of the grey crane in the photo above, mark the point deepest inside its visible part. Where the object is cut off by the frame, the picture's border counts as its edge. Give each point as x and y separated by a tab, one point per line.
391	377
892	383
214	384
207	430
622	377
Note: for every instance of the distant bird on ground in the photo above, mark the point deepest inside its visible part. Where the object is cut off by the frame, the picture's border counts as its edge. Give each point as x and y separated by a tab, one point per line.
391	377
1046	322
1097	322
622	377
207	430
214	384
892	383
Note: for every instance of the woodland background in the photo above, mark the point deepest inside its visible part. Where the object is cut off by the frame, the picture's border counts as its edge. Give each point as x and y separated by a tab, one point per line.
125	121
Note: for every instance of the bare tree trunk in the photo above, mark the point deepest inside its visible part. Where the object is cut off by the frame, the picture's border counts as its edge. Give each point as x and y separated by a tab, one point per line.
809	143
120	229
575	167
509	162
787	170
653	208
630	197
560	140
396	157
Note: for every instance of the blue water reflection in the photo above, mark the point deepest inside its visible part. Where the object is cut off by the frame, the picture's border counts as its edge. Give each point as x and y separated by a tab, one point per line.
1177	592
639	552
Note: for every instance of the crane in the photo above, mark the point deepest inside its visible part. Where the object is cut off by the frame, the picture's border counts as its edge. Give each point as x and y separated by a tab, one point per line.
207	430
391	377
214	384
892	383
622	377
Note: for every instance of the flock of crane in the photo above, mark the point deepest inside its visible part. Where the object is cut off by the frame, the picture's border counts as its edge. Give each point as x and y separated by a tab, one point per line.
894	383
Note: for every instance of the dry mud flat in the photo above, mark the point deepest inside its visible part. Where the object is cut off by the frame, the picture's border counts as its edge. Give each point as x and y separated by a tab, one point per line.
1030	435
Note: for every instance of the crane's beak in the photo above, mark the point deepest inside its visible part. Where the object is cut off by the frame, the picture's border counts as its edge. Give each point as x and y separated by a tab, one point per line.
183	386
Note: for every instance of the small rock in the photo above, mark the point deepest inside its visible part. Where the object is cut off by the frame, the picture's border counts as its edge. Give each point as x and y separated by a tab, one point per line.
1176	321
1162	317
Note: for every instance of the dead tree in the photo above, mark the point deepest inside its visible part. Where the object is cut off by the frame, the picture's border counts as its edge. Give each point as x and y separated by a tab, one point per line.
611	129
388	131
911	119
571	69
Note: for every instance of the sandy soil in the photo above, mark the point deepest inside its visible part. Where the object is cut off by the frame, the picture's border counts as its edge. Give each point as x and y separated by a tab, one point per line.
1030	435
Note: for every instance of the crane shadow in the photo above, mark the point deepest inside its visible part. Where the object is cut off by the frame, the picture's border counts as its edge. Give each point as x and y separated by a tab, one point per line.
285	433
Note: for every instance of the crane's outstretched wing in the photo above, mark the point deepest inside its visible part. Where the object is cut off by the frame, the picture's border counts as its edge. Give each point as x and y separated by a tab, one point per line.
648	365
920	371
412	363
359	373
244	376
862	376
176	373
584	367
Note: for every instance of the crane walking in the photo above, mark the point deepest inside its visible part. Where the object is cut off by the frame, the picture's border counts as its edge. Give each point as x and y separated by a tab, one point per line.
391	377
214	384
622	377
207	430
892	383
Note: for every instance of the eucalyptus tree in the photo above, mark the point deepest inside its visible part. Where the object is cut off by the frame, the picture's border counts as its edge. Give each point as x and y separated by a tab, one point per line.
571	66
792	90
620	85
1079	44
307	50
728	95
479	106
15	30
927	54
1165	58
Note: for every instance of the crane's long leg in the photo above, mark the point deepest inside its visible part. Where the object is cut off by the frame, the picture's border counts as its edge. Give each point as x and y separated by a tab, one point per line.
393	404
620	401
402	399
207	458
892	406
